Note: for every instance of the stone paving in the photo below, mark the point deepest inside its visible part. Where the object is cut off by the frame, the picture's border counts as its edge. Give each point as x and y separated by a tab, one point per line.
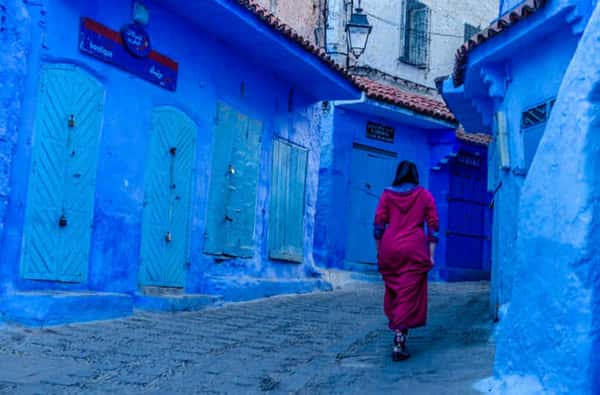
333	342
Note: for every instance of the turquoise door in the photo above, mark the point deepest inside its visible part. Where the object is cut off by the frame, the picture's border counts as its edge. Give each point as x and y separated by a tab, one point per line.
286	216
167	197
60	202
234	179
372	171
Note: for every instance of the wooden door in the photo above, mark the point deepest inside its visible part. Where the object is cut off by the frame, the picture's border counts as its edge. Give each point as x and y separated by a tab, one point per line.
234	181
60	203
286	216
167	197
372	171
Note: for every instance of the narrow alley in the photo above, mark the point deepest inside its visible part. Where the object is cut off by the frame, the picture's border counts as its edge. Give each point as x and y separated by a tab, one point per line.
332	342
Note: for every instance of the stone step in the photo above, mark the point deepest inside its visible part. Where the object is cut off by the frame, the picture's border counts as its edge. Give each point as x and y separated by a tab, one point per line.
50	308
174	302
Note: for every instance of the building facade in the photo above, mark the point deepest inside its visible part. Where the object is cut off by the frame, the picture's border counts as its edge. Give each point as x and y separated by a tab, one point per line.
362	143
412	41
542	111
157	164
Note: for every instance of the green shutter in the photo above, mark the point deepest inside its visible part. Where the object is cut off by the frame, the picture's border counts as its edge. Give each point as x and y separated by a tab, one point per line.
286	224
234	180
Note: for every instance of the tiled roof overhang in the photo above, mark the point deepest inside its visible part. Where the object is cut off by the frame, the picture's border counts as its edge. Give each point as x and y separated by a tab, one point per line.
417	103
474	138
525	10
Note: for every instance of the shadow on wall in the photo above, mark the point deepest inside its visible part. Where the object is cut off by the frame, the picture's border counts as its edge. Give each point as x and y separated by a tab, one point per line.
594	165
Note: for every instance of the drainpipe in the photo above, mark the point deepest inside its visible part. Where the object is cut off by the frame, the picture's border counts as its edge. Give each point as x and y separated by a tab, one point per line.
363	99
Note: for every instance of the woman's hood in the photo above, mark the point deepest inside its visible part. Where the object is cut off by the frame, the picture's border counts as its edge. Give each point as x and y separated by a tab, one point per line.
404	200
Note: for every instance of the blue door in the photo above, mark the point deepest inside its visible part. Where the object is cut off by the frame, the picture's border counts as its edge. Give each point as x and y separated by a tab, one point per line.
286	215
167	196
372	171
234	180
60	202
468	205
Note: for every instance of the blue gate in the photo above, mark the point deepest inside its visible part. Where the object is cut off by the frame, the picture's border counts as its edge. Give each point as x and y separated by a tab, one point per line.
467	234
60	198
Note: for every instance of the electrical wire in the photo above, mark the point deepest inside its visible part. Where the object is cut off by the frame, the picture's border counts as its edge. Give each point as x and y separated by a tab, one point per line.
417	30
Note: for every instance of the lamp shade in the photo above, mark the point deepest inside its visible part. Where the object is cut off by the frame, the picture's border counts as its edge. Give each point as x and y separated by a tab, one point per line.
357	32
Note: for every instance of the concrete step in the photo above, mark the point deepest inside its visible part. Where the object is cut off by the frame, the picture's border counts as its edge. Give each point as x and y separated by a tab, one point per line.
174	302
50	308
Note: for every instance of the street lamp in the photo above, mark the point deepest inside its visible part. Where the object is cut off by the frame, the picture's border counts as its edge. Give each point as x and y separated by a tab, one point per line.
358	31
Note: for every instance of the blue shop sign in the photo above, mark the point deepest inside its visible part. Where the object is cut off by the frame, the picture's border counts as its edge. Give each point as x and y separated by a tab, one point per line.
112	47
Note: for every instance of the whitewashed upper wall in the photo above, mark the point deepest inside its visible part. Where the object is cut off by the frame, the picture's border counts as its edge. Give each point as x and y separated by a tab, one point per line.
448	18
303	15
506	5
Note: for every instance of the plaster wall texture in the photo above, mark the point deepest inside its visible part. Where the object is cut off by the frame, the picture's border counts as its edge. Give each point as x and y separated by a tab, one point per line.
385	45
337	145
554	316
14	38
304	16
209	71
526	89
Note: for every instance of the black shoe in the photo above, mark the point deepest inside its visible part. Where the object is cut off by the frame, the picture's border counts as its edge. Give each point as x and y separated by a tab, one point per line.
399	352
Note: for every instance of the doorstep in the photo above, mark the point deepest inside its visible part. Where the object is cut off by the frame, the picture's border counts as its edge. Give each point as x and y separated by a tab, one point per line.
50	308
157	300
239	289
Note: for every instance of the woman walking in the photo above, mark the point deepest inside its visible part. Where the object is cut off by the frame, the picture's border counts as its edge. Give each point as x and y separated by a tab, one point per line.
405	252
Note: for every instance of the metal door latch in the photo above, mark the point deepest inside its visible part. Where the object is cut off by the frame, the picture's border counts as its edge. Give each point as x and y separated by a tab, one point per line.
168	237
72	121
231	170
62	222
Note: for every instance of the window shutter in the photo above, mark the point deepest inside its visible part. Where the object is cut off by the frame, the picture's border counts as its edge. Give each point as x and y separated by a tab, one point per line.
286	216
416	34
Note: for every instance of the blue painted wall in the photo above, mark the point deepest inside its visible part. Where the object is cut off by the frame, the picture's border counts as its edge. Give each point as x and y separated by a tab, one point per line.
545	279
554	315
341	128
500	79
209	70
15	26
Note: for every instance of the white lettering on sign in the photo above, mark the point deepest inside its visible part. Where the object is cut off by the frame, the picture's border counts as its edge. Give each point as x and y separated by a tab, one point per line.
134	38
100	49
155	72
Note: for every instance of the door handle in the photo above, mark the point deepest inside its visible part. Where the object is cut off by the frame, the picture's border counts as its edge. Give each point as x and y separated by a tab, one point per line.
62	221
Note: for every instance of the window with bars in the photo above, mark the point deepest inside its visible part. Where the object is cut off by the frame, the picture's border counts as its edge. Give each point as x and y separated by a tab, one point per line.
470	31
533	124
417	18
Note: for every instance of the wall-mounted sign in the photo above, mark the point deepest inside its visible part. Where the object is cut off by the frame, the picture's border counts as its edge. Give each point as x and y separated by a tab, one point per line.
136	40
108	45
469	160
380	132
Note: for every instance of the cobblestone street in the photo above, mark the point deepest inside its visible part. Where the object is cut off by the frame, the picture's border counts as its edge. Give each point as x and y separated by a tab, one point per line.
334	342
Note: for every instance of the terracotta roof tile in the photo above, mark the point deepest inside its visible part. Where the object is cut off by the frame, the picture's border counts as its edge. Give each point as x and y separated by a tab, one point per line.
418	103
525	10
475	138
